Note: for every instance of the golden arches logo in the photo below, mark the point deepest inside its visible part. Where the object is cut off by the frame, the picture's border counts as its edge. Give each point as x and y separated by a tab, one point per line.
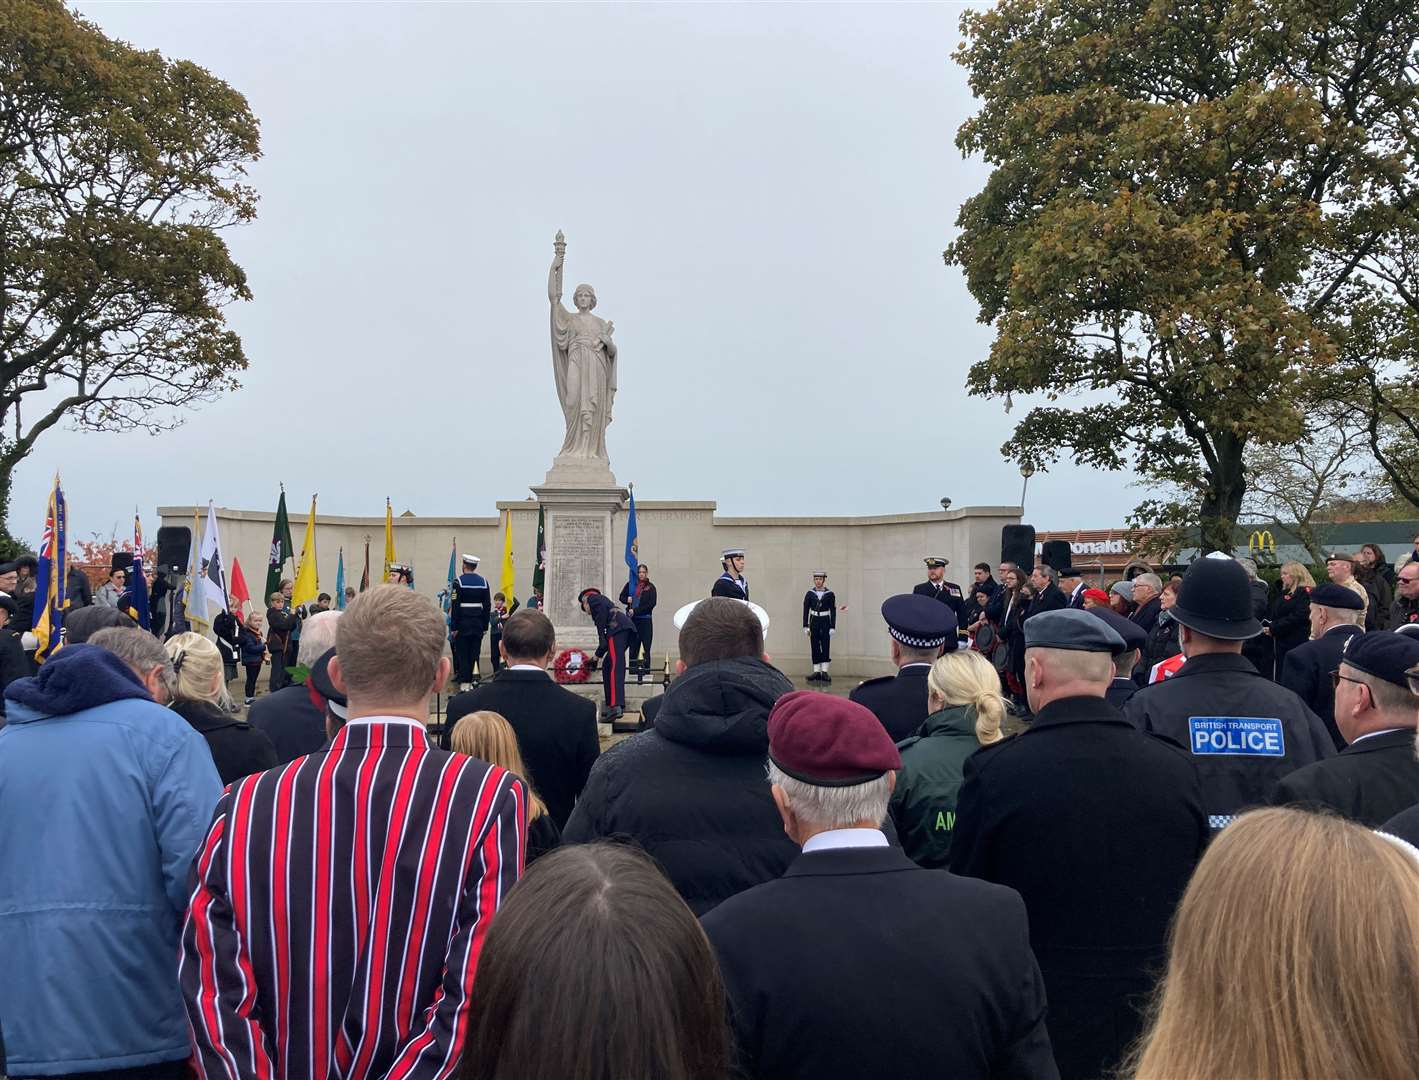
1262	540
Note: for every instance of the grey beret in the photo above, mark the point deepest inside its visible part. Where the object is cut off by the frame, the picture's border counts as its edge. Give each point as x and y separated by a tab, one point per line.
1071	628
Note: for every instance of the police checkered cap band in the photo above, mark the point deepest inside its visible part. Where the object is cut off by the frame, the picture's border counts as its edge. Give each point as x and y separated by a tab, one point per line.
916	642
1218	821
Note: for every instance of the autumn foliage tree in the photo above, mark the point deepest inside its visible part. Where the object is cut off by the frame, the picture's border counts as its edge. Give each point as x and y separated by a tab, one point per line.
119	170
1173	225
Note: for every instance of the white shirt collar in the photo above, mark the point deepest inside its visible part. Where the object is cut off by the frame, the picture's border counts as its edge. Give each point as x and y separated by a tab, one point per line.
409	721
845	838
914	663
529	667
1372	734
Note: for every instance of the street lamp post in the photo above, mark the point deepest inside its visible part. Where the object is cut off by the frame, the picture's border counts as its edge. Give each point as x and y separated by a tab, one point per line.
1026	470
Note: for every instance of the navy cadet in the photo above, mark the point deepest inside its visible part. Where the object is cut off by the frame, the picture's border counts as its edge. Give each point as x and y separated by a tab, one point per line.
1245	733
1337	615
732	583
1135	640
920	630
825	967
401	574
820	622
469	609
614	629
1376	776
1097	825
938	588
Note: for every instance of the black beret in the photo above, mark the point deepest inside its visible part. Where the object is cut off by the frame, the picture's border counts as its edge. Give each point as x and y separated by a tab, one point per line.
1134	636
324	686
1074	629
919	622
1337	596
1383	654
9	567
830	741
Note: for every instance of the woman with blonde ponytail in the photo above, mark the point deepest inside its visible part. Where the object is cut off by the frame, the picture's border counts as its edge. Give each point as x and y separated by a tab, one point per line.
966	710
199	696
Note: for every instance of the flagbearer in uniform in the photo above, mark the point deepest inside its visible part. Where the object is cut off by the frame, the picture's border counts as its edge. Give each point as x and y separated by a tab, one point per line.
732	583
820	622
938	588
469	611
640	609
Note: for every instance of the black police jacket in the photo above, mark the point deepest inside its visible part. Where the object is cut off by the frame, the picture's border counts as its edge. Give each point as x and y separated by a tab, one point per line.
1368	782
1243	731
967	1002
1307	669
899	700
1098	826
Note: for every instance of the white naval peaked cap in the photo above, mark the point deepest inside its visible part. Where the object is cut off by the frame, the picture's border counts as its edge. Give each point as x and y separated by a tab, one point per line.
471	559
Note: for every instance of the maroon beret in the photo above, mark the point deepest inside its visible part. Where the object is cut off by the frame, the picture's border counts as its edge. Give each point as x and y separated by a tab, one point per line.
829	741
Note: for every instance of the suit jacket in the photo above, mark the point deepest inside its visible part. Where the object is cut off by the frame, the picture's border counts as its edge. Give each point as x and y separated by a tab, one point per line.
899	700
1076	595
556	732
785	948
1369	781
1098	826
1147	614
290	719
340	907
1307	669
1050	598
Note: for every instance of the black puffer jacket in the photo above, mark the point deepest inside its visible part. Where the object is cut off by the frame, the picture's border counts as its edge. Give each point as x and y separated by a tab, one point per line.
692	791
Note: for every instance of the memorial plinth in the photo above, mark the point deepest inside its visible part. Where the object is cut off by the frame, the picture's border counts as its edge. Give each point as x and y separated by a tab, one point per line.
580	553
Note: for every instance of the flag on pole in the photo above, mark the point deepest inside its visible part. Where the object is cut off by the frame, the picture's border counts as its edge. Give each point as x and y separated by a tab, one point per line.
507	580
446	597
365	577
50	577
632	546
282	550
340	582
307	575
389	556
137	581
195	605
240	592
539	572
209	586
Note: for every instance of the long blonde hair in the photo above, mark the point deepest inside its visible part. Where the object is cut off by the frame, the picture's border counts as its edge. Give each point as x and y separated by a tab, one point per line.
965	677
488	736
1299	574
198	672
1294	953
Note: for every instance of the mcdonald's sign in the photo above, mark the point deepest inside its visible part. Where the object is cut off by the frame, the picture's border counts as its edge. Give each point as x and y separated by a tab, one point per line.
1262	540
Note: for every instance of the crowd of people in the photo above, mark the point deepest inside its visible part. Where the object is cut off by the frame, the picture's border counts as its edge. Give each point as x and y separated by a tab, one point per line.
1204	873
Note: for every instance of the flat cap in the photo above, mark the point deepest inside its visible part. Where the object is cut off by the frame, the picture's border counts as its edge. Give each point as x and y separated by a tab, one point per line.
1383	654
732	553
919	622
1328	594
829	741
1074	629
1133	635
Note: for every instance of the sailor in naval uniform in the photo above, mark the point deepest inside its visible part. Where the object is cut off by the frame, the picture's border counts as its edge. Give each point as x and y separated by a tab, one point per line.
732	583
820	621
470	608
938	588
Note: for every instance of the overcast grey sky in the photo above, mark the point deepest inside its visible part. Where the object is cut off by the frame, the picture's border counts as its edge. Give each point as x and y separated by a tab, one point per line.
759	193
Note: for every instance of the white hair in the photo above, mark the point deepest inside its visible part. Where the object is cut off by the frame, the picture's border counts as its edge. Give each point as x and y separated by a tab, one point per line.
834	807
317	637
1049	572
1153	581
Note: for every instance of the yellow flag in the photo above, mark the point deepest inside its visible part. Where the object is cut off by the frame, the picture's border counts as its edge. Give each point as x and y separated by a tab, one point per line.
307	576
389	556
508	578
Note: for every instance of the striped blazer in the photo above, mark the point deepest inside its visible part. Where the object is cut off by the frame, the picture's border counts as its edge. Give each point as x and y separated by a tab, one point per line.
339	907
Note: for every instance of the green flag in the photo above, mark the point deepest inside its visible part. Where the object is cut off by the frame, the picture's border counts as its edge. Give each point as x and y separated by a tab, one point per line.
282	550
539	572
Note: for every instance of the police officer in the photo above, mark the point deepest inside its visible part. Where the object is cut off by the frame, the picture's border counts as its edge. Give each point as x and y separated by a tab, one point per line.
614	629
1243	731
1336	613
920	630
820	622
732	583
470	607
938	588
1097	825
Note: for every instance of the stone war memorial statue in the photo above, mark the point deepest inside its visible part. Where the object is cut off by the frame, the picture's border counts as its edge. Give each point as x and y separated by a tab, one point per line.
584	363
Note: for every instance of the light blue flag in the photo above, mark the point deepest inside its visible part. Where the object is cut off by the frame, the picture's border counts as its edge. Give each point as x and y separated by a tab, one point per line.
340	582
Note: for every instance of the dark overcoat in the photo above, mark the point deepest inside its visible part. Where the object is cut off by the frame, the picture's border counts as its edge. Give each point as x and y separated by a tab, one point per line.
1368	782
1307	669
1098	826
899	700
843	968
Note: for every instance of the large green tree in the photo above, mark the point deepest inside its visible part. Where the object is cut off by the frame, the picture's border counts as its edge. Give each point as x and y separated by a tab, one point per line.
119	170
1174	226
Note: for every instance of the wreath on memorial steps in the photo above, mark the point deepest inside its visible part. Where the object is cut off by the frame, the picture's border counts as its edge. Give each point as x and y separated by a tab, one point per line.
572	666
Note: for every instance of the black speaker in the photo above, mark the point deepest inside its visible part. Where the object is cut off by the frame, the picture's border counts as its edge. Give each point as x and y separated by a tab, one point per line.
1056	553
174	547
1017	545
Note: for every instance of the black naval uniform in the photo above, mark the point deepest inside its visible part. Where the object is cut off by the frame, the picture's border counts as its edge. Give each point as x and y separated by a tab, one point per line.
736	588
645	624
1369	782
470	608
899	700
820	618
